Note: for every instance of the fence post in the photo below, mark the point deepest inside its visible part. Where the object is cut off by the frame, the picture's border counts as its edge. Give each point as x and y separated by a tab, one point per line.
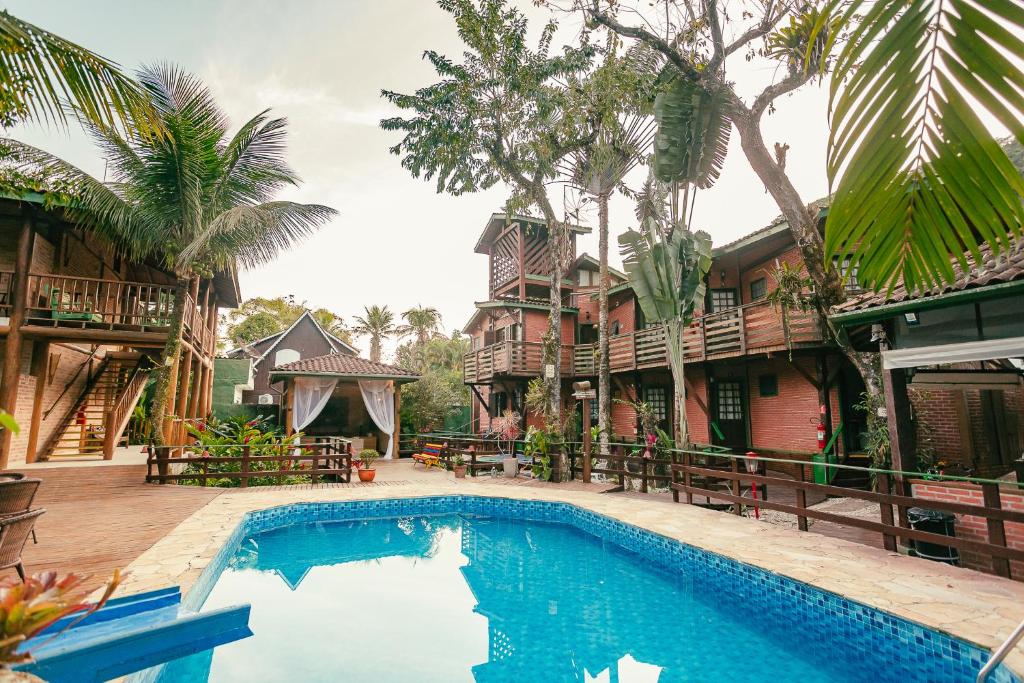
244	474
203	469
736	488
673	479
801	499
888	540
687	476
996	530
644	463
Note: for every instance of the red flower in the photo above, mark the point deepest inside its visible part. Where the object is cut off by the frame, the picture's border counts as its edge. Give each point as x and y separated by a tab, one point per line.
246	439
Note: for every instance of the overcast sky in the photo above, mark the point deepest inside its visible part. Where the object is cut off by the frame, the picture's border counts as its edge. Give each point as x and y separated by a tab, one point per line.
322	64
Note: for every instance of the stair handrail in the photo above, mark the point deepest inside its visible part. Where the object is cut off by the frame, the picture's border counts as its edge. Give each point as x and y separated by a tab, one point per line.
120	413
73	408
46	413
1000	654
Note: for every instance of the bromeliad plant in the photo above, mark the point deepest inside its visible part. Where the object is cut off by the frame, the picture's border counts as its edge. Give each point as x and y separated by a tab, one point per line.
27	609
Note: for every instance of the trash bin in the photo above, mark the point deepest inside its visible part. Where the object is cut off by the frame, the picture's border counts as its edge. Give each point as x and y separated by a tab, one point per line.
935	522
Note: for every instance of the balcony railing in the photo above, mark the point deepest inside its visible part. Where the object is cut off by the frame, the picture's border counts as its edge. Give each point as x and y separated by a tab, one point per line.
754	328
6	293
64	301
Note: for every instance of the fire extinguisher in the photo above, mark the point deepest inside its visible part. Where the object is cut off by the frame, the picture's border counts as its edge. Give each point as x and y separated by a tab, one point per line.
821	435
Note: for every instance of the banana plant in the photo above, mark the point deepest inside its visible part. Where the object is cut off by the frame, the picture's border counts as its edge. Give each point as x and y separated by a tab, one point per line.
667	266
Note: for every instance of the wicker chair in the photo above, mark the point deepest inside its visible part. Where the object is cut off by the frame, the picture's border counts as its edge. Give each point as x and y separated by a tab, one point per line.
16	496
14	532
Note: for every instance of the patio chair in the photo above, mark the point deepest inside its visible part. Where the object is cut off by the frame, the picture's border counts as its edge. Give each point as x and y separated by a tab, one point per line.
17	494
14	533
431	455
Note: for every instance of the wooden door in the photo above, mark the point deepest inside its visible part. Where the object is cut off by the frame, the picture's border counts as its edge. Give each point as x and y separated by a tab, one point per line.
728	410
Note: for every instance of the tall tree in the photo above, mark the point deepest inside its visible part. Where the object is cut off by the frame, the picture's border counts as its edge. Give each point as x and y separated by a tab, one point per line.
194	198
422	322
41	73
260	317
378	324
505	113
427	403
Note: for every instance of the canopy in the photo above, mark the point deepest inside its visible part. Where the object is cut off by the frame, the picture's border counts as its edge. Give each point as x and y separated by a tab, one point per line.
992	349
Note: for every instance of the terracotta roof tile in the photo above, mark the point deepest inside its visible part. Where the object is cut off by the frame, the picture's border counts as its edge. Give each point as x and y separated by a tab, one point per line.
340	364
1006	267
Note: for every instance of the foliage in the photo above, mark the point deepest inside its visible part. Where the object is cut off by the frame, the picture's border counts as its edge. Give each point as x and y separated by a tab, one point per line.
693	131
228	439
367	457
8	422
792	291
27	609
44	75
259	317
378	324
421	322
539	444
920	181
877	434
645	413
506	428
440	392
458	460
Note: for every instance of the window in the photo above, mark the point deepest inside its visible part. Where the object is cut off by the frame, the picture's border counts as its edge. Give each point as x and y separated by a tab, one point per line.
758	289
498	403
768	385
615	328
237	398
655	397
847	274
589	278
730	401
286	356
722	299
593	411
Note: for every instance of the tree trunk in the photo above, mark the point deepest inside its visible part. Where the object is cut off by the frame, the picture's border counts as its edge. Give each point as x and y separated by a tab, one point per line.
168	364
604	375
375	349
803	227
677	361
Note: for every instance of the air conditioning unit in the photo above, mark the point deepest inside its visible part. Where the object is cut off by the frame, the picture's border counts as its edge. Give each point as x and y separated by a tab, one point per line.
266	400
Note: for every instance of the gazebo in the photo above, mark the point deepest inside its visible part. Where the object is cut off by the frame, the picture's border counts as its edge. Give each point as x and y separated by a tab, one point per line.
342	395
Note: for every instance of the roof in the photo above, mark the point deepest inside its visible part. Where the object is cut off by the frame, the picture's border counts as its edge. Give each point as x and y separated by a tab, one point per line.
778	225
341	365
991	277
498	221
331	339
590	260
533	304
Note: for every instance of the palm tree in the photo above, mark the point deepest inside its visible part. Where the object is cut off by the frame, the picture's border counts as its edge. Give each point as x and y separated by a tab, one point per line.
40	72
421	322
378	324
195	199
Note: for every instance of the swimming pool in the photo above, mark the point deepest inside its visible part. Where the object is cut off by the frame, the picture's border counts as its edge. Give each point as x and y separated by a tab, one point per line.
463	588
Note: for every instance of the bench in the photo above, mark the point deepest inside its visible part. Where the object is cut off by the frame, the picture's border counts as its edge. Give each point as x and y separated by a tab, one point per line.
430	456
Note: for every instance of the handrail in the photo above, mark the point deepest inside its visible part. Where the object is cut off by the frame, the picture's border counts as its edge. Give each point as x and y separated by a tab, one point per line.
49	445
46	413
1000	654
120	413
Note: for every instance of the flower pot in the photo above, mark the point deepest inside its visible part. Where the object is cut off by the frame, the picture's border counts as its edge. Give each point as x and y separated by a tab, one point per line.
460	471
367	475
511	467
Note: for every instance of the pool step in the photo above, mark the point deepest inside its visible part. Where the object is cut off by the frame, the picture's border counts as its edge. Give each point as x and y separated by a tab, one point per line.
130	634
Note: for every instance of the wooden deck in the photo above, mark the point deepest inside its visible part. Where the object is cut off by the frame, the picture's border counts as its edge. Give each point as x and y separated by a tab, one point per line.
101	518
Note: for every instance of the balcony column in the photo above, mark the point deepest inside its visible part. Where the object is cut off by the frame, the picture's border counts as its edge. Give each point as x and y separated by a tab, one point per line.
522	263
12	349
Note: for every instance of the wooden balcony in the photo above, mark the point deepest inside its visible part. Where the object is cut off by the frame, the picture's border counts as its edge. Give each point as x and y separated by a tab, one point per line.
105	311
747	330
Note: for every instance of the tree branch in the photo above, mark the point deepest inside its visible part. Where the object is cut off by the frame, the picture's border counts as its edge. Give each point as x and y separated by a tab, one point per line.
776	90
642	34
711	13
762	28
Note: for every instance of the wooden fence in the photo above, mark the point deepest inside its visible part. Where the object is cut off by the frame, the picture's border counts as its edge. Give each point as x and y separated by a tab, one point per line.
328	458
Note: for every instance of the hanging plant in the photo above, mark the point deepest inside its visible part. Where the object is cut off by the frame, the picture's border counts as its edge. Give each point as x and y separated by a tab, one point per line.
793	291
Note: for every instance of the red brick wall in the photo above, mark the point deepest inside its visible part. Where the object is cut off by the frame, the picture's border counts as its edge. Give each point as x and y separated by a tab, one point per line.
695	417
973	527
786	421
765	268
625	315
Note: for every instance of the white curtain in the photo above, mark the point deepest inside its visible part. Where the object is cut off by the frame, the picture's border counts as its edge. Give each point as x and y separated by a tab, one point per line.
379	397
311	395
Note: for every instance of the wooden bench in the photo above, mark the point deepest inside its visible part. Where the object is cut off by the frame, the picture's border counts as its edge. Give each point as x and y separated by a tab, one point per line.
430	456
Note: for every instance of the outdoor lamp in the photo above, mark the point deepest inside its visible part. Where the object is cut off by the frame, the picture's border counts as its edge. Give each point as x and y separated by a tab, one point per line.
753	465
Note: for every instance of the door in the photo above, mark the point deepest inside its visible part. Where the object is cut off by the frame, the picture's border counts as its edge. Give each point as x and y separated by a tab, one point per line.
728	409
721	300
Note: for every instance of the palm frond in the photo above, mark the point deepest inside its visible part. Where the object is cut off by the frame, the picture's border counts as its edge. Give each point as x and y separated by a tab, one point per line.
255	165
919	180
40	71
693	132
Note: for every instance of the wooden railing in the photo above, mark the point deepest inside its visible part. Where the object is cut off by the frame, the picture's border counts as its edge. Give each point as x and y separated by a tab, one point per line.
121	412
754	328
329	457
60	299
6	293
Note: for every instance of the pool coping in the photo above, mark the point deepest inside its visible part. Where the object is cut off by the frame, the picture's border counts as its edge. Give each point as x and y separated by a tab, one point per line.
969	605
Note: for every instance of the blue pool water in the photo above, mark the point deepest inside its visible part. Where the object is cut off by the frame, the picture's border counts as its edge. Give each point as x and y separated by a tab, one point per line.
463	591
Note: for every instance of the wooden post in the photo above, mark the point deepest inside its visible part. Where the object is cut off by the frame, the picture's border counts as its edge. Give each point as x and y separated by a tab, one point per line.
195	389
289	405
888	540
245	467
996	530
398	418
12	349
736	489
172	389
184	372
901	429
587	441
41	358
522	263
801	499
687	476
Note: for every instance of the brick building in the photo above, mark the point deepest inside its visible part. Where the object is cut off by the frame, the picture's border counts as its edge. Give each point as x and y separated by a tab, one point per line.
80	326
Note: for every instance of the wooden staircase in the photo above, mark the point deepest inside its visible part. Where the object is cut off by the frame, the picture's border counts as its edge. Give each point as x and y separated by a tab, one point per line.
95	424
852	479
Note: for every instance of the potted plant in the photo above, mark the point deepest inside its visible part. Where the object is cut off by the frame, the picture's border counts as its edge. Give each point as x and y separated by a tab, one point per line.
367	457
39	602
459	466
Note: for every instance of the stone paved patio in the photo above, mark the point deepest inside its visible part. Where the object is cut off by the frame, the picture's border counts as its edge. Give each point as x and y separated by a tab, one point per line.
976	607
